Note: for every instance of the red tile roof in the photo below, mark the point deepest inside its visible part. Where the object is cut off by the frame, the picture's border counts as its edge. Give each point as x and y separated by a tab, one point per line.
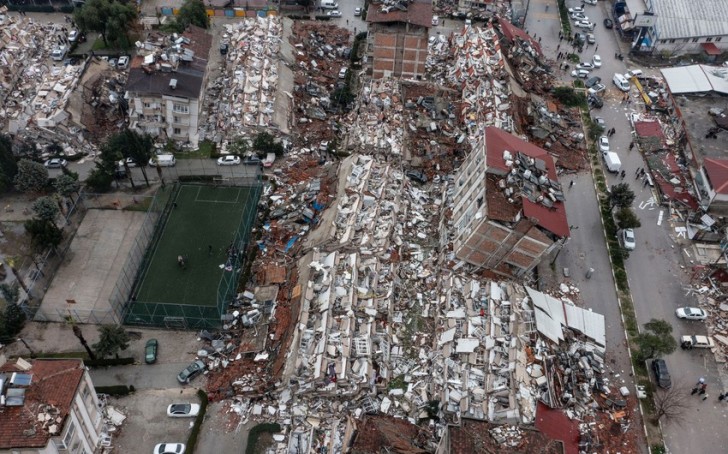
710	48
473	436
418	13
557	426
717	170
497	141
648	129
399	435
55	383
511	32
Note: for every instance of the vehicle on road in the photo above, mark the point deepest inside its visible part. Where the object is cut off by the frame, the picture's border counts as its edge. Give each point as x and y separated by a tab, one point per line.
224	48
600	121
612	162
55	163
150	351
129	162
597	61
169	448
123	62
252	161
228	160
590	2
690	342
580	73
620	81
585	65
579	16
594	101
577	9
590	38
628	241
191	371
608	23
579	38
329	4
59	53
691	313
183	410
603	144
590	82
163	160
334	13
632	73
662	375
72	36
585	24
598	88
342	72
357	12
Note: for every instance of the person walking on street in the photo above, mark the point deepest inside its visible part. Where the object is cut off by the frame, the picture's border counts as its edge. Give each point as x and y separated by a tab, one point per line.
637	172
721	397
702	388
596	47
623	174
571	185
631	146
695	390
701	380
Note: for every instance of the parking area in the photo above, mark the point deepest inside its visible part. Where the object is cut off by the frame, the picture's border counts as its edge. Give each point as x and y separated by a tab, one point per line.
147	422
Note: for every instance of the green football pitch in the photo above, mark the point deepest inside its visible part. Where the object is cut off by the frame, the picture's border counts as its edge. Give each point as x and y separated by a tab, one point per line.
201	217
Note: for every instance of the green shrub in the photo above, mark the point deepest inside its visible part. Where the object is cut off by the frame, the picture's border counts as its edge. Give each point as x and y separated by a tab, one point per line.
105	362
117	391
192	439
198	178
255	432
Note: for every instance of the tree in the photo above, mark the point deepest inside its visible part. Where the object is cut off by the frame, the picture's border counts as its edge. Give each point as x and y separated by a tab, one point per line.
110	18
67	185
266	143
192	12
130	144
671	404
112	339
31	177
621	196
46	209
569	97
99	179
627	219
43	234
239	146
656	340
79	334
8	165
10	293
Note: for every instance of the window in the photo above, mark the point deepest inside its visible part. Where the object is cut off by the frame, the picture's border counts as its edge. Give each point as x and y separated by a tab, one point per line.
176	119
177	131
672	41
718	39
707	40
181	108
147	105
686	40
695	40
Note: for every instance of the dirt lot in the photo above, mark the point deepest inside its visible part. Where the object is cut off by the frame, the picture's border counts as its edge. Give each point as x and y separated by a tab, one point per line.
147	423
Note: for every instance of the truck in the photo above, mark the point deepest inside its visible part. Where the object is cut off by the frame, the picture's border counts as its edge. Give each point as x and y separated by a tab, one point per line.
690	342
611	160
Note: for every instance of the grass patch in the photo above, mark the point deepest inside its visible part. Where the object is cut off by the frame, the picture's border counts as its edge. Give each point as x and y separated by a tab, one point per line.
143	206
397	383
98	44
256	432
207	150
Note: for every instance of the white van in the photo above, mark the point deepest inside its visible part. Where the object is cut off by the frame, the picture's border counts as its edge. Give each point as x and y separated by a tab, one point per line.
621	82
163	160
329	4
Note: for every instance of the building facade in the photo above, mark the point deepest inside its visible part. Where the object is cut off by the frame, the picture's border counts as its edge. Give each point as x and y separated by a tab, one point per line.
166	85
509	212
48	407
398	39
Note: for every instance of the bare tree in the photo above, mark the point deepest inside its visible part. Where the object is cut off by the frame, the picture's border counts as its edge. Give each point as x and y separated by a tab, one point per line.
671	404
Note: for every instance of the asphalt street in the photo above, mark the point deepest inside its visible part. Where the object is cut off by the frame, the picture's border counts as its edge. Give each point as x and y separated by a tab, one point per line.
143	376
657	269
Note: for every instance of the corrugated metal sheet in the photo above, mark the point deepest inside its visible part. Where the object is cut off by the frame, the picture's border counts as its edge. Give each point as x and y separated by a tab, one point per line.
687	18
696	79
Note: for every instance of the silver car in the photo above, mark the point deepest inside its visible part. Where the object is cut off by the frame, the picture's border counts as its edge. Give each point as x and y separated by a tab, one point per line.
691	313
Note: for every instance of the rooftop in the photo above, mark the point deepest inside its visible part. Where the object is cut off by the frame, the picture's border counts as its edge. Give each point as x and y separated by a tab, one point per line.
717	170
53	385
479	436
511	32
687	18
418	12
183	60
376	432
542	198
696	79
694	111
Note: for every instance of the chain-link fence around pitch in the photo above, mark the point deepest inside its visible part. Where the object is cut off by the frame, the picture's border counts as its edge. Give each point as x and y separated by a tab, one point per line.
183	270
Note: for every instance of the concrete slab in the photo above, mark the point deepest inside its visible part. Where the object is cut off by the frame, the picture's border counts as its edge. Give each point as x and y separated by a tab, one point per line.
86	279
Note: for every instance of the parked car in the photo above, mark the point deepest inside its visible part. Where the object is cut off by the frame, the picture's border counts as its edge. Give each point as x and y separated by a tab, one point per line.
129	162
59	53
590	2
334	13
608	23
72	36
600	121
585	65
598	88
662	375
603	144
228	160
191	371
585	24
580	73
597	61
417	175
342	72
628	241
691	313
169	448
577	9
594	101
579	38
579	16
632	73
590	82
150	351
690	342
55	163
224	48
357	12
123	62
590	38
252	161
183	410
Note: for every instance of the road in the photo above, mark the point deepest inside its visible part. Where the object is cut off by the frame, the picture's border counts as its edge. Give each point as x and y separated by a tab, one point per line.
155	376
657	268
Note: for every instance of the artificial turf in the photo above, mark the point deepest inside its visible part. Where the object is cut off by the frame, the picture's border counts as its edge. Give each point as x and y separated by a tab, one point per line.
201	216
